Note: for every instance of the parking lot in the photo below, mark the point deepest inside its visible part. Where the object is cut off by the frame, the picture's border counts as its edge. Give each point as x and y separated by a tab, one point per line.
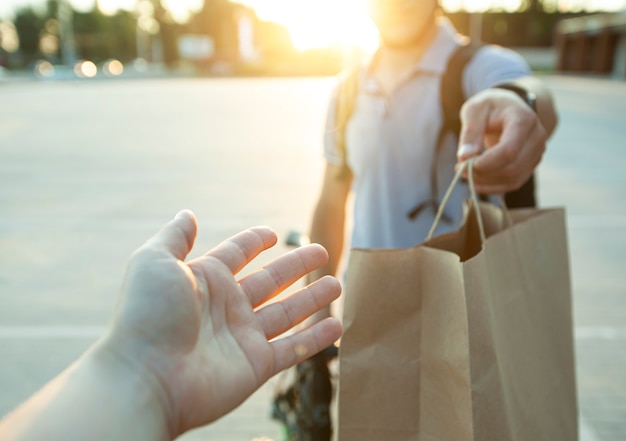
90	169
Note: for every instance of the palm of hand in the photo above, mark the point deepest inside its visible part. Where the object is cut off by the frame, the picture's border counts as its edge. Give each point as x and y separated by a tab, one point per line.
192	325
195	334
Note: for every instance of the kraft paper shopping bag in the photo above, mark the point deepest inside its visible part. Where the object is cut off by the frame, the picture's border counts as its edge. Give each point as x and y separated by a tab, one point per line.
465	337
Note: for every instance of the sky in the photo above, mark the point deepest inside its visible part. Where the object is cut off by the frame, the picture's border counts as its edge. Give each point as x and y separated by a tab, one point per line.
303	17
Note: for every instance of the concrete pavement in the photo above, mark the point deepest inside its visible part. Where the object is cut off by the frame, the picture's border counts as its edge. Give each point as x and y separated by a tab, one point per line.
89	170
585	170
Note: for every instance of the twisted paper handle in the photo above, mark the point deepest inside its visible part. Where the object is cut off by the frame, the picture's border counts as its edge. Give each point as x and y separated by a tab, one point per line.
470	165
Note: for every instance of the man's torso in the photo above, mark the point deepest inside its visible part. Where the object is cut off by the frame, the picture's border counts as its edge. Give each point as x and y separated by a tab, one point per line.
391	142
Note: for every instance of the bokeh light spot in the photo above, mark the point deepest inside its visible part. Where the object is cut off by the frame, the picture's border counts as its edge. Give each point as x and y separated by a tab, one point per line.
44	70
113	68
85	69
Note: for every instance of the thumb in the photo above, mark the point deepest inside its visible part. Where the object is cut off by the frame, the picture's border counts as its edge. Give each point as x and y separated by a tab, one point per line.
177	236
474	117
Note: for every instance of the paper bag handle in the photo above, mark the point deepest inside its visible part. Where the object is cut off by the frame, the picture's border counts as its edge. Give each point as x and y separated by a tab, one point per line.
470	167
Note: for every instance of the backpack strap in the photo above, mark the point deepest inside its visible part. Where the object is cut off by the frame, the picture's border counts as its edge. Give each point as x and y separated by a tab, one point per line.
452	97
451	91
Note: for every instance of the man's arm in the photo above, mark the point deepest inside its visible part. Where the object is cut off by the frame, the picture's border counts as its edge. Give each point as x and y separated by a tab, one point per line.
509	137
328	223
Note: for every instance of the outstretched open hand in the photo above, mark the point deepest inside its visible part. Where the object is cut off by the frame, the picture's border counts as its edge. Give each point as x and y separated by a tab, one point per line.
205	338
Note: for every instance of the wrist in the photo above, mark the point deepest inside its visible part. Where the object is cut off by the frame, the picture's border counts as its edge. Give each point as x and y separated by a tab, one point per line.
134	398
529	97
96	398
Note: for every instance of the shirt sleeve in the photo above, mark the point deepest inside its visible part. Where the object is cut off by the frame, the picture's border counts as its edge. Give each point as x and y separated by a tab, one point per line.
331	151
493	65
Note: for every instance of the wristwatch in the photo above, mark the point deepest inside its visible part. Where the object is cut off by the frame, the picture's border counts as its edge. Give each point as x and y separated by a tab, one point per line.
529	97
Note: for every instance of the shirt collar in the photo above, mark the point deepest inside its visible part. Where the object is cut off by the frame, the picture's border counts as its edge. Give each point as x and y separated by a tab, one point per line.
435	58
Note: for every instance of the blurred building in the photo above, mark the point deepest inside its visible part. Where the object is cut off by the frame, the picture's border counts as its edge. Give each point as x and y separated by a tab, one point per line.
229	38
593	44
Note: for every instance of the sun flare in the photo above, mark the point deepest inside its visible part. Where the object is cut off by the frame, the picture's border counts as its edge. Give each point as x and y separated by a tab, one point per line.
320	23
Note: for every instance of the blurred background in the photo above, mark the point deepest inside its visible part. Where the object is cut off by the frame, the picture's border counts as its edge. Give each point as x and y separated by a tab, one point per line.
278	37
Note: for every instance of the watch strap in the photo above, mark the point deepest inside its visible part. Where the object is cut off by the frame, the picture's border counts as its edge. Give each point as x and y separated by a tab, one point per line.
529	97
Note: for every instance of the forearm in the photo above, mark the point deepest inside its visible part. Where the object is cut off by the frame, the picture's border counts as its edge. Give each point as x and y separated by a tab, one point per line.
327	229
546	110
97	398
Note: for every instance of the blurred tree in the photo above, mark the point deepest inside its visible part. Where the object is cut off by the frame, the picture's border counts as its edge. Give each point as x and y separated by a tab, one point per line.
52	8
28	25
123	28
93	21
169	33
93	42
100	37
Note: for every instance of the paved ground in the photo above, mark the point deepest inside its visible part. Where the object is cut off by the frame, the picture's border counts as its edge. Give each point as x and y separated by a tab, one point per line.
90	169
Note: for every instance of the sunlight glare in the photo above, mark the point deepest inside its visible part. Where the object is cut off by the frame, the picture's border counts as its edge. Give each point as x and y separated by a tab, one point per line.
110	7
321	23
182	10
83	5
477	5
480	5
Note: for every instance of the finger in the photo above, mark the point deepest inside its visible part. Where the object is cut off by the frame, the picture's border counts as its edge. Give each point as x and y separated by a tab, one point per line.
177	236
519	131
298	347
273	278
509	178
512	175
237	251
279	317
474	118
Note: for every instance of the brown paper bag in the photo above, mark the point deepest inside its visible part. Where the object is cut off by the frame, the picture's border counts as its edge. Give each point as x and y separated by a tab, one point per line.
463	337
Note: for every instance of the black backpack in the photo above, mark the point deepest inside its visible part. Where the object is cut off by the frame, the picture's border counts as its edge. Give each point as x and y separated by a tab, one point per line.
452	98
303	408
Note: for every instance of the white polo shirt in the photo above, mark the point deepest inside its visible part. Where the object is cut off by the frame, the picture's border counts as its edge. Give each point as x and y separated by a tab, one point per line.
390	142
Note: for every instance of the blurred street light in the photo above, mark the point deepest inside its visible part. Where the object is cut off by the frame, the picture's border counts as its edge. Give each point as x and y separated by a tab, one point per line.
113	67
85	69
44	70
9	40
